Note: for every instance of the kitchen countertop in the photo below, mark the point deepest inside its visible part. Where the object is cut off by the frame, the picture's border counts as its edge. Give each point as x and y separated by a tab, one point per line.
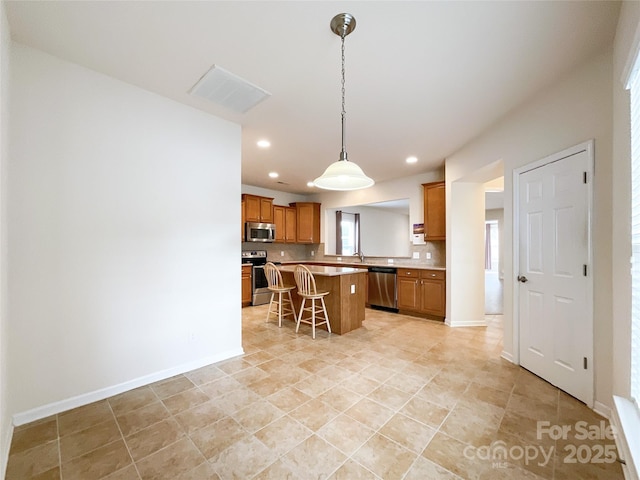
359	265
323	270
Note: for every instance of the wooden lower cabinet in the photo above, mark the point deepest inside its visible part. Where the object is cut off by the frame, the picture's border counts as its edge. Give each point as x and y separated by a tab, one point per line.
246	285
422	292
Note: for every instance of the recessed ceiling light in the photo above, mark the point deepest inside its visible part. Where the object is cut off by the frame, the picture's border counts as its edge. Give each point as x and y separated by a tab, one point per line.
273	174
264	143
412	160
310	184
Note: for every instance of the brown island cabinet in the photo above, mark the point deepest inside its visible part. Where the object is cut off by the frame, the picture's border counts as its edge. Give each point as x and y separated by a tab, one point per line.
346	300
422	292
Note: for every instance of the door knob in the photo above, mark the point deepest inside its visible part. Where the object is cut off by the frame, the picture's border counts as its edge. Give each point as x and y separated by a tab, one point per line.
522	279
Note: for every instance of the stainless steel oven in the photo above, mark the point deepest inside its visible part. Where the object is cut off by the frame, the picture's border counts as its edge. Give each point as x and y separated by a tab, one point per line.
260	293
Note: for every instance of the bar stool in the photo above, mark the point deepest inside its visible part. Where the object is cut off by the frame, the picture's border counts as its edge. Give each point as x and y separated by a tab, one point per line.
276	285
307	291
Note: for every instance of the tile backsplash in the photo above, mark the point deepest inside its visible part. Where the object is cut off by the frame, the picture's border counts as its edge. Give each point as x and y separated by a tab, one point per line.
287	252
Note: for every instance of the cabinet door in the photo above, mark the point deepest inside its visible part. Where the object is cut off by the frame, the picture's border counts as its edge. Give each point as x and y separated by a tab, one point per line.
290	223
281	223
434	211
244	219
408	293
246	285
266	210
251	208
432	295
308	222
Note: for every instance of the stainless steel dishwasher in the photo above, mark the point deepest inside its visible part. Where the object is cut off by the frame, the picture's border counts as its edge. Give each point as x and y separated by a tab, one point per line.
382	288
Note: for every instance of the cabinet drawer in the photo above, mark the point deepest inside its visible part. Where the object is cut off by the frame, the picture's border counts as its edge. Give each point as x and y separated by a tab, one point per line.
408	273
434	274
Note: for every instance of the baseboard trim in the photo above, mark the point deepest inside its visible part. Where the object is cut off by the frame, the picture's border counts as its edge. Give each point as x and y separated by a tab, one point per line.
6	446
507	356
626	423
467	323
602	409
90	397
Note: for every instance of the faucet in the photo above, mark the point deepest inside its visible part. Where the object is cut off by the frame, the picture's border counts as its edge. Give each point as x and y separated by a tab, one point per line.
361	255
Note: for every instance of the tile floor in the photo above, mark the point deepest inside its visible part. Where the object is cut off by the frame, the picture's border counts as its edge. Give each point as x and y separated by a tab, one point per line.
400	398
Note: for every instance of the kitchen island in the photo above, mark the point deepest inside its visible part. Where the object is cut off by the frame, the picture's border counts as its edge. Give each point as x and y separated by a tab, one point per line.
347	294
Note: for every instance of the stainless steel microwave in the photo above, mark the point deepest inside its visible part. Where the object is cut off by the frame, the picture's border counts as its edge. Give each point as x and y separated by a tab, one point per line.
259	232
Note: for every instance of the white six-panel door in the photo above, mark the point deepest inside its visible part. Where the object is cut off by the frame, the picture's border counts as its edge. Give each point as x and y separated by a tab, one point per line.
555	317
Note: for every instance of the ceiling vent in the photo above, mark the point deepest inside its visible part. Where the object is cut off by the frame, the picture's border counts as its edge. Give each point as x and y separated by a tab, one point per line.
228	90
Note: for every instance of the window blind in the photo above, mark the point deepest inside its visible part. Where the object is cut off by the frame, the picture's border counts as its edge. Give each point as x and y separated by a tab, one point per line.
634	85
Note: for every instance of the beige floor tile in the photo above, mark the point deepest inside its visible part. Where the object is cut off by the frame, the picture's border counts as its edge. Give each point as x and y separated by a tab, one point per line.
204	471
249	375
408	432
473	426
205	375
305	462
345	433
390	397
217	437
405	383
144	417
35	461
257	415
384	457
237	399
185	400
315	385
126	473
340	398
533	408
283	434
288	399
132	400
258	357
234	365
476	392
314	414
424	411
352	470
221	386
151	439
278	470
33	435
200	416
84	417
268	385
454	456
79	443
361	385
370	413
423	469
171	386
244	459
170	462
98	463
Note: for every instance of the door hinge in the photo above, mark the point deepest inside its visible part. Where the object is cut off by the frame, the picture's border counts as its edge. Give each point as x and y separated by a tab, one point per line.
584	177
584	362
584	270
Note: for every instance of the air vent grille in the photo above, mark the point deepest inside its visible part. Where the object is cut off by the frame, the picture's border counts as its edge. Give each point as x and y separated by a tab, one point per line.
228	90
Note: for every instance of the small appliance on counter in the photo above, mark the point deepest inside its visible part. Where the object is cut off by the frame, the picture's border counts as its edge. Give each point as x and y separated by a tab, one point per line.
260	293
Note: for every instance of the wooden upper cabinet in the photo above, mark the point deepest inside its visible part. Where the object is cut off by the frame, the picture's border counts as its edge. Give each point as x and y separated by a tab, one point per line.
290	223
435	227
307	222
258	209
280	221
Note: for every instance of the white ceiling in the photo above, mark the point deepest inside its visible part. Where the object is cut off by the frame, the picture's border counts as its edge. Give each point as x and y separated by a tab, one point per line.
422	78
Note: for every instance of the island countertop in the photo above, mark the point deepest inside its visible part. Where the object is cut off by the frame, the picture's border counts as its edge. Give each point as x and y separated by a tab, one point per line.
324	271
363	266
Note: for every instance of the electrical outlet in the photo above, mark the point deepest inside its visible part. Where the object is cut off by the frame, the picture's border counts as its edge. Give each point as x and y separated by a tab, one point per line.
353	289
416	254
282	253
389	260
428	255
312	253
192	337
339	259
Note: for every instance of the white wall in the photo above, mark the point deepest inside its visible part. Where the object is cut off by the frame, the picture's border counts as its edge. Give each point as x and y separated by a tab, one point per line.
5	416
279	198
573	110
123	233
626	45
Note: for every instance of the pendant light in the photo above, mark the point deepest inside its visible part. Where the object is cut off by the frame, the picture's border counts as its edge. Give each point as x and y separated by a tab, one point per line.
343	174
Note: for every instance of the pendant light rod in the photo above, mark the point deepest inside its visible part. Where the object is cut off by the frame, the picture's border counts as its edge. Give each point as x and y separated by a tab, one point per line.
342	25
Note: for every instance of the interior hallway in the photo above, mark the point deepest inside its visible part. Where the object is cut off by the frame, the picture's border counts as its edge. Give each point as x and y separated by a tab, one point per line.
400	398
